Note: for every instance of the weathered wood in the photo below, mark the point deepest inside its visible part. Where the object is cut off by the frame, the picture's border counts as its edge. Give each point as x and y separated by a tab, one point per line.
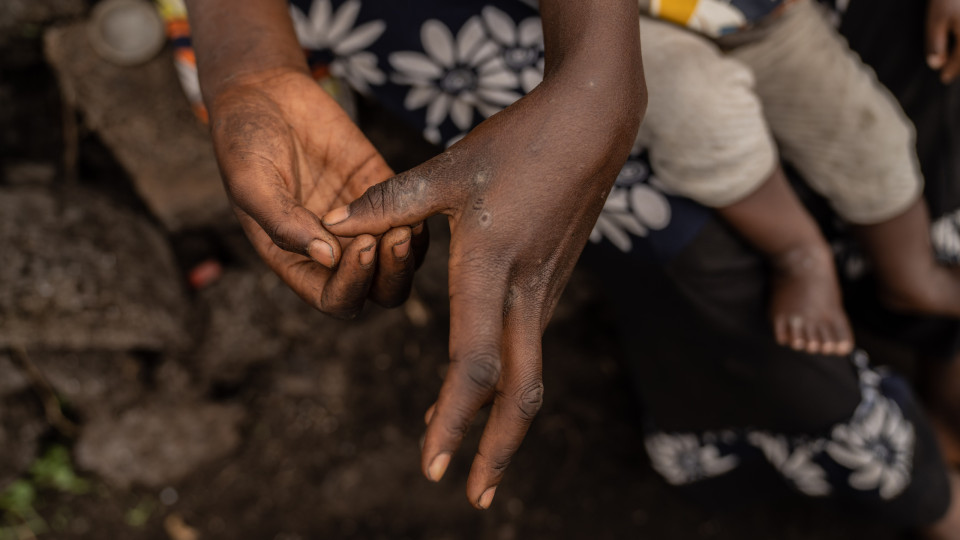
142	115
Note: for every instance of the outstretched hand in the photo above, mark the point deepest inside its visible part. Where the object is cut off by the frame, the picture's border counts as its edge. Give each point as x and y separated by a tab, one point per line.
522	192
943	38
289	154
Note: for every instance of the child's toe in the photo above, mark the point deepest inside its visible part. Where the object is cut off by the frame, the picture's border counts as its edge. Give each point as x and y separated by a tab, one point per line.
811	337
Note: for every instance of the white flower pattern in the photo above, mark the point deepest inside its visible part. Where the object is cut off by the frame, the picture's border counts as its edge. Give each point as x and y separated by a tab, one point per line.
634	205
332	31
945	236
797	466
521	45
456	77
873	450
683	459
878	448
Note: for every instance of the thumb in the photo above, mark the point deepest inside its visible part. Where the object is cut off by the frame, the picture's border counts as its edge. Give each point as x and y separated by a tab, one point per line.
290	225
405	199
937	37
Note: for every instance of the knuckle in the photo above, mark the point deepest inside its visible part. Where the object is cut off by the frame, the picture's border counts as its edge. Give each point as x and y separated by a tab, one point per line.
277	234
375	197
482	369
455	430
498	462
530	400
286	231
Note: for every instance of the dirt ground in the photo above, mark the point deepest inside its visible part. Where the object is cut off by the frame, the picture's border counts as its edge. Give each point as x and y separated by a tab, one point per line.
134	406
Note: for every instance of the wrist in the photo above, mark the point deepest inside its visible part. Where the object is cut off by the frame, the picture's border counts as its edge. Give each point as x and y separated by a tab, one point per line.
803	257
245	80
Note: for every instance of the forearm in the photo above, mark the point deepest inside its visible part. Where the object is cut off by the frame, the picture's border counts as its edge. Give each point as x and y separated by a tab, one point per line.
585	114
592	50
237	40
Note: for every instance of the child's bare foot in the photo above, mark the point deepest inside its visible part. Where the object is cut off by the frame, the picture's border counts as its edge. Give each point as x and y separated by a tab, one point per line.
806	303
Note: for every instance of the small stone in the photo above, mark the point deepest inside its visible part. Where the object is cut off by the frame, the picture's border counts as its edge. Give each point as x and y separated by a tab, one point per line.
169	496
158	445
81	273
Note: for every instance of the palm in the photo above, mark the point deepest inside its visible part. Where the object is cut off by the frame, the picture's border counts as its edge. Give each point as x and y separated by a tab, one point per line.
289	154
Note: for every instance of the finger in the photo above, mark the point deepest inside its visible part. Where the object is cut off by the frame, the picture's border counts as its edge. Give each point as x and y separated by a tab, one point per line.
405	199
952	66
305	276
347	288
289	225
420	242
937	37
394	275
476	325
429	414
517	403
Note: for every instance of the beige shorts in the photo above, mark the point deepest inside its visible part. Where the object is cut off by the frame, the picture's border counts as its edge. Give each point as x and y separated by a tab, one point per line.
719	111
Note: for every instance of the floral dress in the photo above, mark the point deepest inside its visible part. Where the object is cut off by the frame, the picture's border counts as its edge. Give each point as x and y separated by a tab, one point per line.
721	400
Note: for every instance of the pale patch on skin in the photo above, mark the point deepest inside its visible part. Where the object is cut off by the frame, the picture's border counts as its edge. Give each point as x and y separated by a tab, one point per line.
481	178
484	219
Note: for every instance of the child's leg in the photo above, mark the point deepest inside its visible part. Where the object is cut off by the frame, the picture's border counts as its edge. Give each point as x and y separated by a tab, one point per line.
708	141
806	307
910	277
852	143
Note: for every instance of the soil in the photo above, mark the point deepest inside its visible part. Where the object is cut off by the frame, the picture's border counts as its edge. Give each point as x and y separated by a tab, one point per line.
235	411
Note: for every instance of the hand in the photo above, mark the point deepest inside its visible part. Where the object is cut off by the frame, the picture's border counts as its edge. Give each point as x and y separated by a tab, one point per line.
522	192
288	154
943	21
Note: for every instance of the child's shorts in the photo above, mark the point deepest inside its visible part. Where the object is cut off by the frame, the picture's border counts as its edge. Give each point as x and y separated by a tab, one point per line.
719	111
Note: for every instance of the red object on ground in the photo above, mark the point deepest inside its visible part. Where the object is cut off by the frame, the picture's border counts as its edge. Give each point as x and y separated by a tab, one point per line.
205	274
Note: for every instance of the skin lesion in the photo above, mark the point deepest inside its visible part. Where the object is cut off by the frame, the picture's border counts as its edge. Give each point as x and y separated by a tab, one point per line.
485	219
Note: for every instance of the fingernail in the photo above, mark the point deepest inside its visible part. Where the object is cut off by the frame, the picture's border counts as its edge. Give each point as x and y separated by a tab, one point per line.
336	215
418	229
366	255
934	61
321	252
487	498
401	250
438	466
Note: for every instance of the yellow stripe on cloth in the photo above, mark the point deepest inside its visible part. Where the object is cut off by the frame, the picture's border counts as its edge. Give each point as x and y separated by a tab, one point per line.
172	9
677	11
